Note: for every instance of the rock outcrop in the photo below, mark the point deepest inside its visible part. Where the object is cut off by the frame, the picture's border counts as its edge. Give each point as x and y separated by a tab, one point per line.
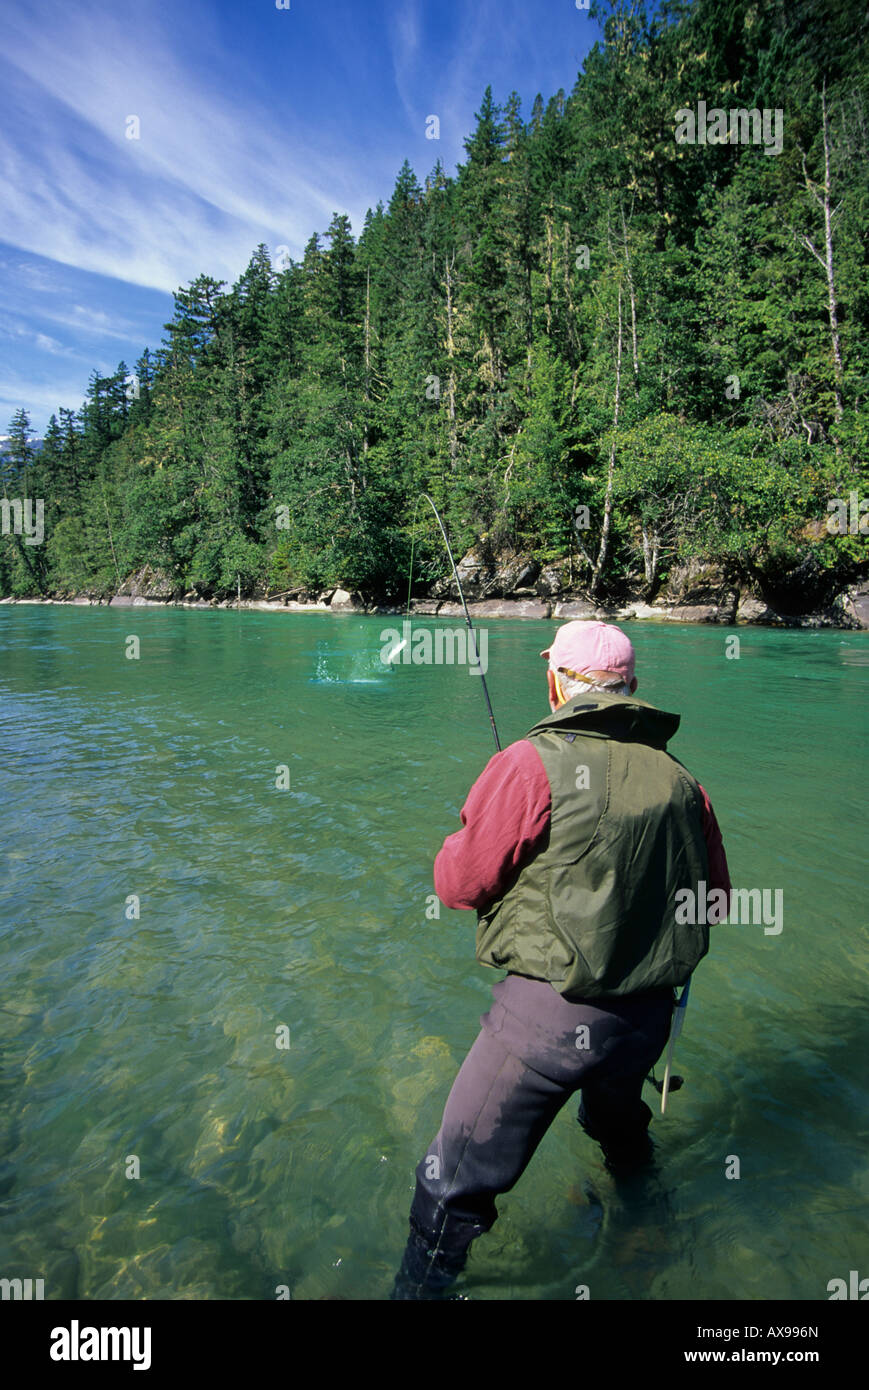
498	608
150	583
343	601
487	574
855	604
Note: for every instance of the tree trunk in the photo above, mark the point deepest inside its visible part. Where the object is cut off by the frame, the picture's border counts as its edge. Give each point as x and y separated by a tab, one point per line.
651	545
451	349
633	308
367	356
548	276
568	293
111	542
608	502
826	260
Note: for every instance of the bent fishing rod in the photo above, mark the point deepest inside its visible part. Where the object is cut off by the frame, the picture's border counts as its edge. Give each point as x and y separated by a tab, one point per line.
461	596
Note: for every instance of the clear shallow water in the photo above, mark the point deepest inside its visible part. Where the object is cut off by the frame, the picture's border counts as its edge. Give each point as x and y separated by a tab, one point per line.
306	908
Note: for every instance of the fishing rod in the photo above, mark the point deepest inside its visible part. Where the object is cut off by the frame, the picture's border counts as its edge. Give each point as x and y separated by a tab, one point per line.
671	1083
678	1020
461	596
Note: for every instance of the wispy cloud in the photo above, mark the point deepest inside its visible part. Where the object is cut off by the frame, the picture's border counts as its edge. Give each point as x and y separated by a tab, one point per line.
255	125
47	398
46	344
209	176
444	70
17	331
92	322
404	36
40	278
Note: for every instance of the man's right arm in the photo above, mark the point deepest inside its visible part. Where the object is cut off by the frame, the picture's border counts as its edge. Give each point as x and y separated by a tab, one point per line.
719	874
505	820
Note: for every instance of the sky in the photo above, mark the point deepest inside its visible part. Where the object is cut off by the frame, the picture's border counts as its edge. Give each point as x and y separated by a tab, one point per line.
143	145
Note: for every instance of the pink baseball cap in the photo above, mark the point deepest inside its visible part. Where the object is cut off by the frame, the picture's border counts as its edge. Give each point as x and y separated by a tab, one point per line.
584	646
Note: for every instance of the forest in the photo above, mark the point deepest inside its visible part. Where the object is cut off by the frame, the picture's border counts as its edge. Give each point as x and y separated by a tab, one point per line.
596	345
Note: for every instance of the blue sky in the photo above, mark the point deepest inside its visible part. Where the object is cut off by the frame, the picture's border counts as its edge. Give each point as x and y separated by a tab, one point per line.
255	125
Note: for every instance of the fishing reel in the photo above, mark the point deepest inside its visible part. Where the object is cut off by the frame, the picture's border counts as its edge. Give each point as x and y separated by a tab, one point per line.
676	1082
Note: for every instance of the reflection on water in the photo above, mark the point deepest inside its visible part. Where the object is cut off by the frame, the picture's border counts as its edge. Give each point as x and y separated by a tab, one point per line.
167	913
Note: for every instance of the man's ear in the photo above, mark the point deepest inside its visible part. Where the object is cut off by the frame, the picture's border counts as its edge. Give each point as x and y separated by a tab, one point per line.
633	684
553	698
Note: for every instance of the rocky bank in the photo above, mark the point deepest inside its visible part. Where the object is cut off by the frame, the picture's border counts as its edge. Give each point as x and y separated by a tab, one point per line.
513	586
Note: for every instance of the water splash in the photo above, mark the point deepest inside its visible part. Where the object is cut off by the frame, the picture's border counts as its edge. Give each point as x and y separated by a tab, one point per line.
365	668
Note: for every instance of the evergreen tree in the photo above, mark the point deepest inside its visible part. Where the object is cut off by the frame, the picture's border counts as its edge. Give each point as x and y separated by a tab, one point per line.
588	314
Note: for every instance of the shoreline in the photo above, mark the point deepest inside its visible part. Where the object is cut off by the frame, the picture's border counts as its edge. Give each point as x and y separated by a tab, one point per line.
749	613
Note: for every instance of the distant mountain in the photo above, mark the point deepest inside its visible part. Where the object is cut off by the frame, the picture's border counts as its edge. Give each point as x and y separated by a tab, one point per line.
5	439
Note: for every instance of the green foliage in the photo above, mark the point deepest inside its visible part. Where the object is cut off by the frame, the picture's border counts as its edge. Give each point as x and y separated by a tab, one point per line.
470	343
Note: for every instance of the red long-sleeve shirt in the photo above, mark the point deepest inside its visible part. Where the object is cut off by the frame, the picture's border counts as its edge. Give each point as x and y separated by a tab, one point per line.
505	820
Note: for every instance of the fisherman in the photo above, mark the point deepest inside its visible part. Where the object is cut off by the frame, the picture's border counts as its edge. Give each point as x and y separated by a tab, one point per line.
575	842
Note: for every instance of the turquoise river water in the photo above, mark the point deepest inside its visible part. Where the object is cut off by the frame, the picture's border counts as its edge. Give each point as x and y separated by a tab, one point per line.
301	915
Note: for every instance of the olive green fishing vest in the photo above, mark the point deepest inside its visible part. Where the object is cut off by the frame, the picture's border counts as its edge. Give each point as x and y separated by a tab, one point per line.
594	913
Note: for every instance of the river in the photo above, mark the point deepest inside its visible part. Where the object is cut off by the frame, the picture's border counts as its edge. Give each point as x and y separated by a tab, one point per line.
231	1017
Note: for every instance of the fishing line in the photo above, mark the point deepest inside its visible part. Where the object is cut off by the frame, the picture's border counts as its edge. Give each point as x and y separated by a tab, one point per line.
394	653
